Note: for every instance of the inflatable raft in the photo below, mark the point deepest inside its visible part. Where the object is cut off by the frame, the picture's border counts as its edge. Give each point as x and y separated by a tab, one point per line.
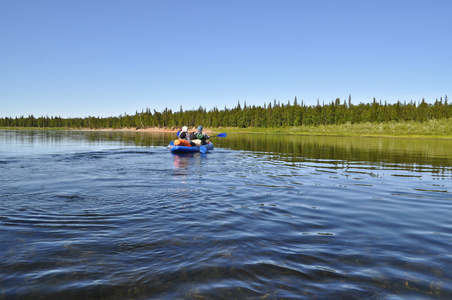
186	149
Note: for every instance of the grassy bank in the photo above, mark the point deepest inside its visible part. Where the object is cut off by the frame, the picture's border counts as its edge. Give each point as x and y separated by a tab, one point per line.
439	129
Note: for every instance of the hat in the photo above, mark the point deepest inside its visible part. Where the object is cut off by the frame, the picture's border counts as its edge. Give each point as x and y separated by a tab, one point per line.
184	129
199	128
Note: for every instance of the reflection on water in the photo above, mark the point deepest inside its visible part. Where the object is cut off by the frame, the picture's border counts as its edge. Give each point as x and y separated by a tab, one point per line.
115	215
411	154
184	163
51	138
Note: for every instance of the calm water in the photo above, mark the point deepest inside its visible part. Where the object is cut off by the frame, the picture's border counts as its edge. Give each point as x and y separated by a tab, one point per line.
107	215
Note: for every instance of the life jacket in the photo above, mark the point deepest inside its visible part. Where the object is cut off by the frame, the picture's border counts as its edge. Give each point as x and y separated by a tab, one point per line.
196	135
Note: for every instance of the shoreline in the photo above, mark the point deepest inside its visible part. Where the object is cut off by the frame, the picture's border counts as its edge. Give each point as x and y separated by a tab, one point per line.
148	129
433	129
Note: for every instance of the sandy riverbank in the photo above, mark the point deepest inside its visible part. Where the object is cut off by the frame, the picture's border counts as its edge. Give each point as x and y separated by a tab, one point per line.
149	129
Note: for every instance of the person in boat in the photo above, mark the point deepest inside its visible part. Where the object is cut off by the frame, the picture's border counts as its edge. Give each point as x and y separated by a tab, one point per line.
184	138
184	133
198	135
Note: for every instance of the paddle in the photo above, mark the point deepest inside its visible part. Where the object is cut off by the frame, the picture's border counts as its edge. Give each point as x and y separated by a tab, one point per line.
221	135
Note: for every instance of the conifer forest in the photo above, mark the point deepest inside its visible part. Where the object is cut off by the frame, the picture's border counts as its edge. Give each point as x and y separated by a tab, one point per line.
271	115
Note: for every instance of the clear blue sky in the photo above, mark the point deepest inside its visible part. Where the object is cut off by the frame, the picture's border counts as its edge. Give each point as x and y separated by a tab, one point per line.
110	57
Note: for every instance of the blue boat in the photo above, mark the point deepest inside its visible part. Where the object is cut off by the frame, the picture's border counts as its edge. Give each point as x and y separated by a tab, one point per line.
185	149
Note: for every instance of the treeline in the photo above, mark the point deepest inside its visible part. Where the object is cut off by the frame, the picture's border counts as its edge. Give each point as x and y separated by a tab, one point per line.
270	115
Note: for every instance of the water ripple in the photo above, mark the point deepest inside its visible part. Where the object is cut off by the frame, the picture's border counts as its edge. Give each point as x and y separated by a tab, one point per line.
118	222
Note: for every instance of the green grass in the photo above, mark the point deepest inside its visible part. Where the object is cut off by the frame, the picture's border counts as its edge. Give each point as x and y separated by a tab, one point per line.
440	129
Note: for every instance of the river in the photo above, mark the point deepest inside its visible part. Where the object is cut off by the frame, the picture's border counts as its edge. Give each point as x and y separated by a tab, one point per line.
115	215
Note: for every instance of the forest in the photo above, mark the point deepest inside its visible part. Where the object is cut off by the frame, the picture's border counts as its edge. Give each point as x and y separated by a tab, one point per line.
271	115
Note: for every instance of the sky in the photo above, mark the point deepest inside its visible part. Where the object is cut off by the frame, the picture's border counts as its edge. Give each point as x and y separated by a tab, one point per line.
111	57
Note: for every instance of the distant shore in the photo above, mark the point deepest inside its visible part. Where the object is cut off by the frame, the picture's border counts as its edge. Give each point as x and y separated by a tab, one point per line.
148	129
432	129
